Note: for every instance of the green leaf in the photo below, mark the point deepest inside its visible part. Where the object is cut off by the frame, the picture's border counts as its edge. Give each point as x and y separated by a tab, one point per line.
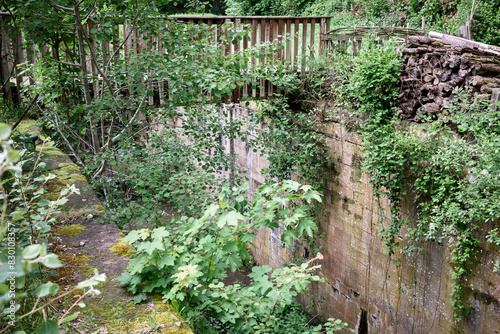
70	318
32	251
4	131
140	297
231	218
165	260
13	156
51	261
45	289
48	327
233	261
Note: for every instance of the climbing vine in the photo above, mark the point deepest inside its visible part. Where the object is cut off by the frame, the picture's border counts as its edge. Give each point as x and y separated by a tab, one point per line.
451	168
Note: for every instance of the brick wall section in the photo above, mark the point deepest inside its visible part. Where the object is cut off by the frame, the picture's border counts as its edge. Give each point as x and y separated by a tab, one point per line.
362	285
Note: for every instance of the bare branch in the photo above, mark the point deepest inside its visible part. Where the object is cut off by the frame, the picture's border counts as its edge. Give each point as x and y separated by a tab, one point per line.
56	125
115	138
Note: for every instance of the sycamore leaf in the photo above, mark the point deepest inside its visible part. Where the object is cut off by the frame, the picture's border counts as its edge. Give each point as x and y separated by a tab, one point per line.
231	218
287	236
258	271
139	298
291	185
233	261
150	246
186	275
160	233
165	260
135	235
310	195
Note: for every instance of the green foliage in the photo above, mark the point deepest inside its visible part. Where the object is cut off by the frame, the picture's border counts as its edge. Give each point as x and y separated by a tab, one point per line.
187	259
486	22
25	261
266	7
293	146
374	79
455	181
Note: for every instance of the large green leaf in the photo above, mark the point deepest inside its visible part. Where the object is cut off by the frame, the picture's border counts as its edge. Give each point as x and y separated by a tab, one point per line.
45	289
48	327
4	131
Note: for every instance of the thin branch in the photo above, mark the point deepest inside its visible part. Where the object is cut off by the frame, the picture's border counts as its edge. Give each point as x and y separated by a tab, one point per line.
115	138
62	135
61	62
25	111
61	8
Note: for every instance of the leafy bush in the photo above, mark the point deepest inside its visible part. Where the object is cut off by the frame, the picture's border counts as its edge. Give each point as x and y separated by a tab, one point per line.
27	292
486	22
266	7
187	260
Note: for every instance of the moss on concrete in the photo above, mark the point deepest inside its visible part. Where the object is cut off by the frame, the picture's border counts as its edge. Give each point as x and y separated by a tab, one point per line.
76	262
71	230
122	248
28	126
66	174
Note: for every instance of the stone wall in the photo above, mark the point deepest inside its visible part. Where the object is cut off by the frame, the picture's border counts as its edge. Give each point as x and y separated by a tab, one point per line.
363	286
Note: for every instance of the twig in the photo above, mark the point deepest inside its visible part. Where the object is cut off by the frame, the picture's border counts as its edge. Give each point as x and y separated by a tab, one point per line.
25	111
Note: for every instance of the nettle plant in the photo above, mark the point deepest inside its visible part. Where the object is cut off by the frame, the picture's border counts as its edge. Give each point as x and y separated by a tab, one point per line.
187	260
27	293
456	180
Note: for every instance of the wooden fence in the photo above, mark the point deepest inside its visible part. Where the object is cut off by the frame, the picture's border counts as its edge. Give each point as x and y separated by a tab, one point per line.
302	35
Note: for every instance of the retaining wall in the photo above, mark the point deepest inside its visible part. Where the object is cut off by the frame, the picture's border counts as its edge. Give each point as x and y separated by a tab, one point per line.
362	285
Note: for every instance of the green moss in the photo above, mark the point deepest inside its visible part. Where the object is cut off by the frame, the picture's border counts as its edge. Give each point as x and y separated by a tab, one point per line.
122	248
99	208
77	263
66	174
74	260
50	150
28	126
163	318
71	230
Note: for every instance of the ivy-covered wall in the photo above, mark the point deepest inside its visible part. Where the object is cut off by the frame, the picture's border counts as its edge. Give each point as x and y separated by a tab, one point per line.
363	285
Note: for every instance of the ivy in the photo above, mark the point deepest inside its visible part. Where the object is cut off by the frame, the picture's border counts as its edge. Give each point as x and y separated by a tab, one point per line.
451	170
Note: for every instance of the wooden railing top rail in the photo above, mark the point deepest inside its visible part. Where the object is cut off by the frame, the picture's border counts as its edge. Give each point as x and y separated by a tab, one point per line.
247	17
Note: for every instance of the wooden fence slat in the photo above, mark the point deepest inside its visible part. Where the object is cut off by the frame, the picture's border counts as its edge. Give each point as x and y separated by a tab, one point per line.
311	43
226	34
304	42
322	30
272	35
288	40
295	42
265	36
253	42
327	28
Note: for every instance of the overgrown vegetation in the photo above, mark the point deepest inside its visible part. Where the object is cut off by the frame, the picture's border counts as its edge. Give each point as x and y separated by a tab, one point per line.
441	16
28	292
186	261
451	171
145	161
